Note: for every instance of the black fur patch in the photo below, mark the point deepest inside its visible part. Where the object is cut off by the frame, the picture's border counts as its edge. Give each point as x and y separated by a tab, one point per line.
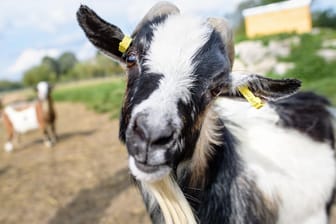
307	112
144	36
138	90
102	34
212	64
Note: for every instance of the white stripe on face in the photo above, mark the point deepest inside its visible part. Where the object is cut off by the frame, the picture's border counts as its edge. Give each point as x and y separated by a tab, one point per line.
42	90
171	52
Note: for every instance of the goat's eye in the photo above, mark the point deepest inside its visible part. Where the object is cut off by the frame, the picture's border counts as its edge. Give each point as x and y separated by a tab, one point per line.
216	91
131	60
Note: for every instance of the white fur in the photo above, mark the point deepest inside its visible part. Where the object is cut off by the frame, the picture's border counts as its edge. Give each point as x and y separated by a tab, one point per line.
23	121
147	177
173	204
48	143
172	57
238	79
8	147
42	90
286	164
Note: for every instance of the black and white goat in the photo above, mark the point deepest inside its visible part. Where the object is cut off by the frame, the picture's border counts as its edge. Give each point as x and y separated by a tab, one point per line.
22	117
198	152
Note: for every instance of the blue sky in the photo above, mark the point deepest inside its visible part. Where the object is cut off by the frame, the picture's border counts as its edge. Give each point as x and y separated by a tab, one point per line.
32	29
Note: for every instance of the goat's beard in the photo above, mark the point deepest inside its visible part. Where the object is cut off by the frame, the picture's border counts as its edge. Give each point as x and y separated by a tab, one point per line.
174	206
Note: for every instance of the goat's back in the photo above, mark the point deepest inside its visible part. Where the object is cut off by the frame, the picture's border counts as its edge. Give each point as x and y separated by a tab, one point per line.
287	148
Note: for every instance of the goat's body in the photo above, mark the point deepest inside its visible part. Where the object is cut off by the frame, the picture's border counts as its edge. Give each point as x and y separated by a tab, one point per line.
262	171
288	167
23	117
22	120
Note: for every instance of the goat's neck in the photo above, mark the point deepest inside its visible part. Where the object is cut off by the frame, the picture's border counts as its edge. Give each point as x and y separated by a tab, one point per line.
208	138
47	105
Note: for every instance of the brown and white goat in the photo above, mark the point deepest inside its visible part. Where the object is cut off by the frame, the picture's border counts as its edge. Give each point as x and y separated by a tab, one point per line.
22	117
197	151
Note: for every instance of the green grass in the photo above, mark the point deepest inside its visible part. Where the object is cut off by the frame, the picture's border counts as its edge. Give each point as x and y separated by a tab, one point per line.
315	73
100	97
326	87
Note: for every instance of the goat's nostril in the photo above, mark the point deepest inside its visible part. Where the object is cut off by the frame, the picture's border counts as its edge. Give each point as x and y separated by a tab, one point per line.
163	140
139	128
147	133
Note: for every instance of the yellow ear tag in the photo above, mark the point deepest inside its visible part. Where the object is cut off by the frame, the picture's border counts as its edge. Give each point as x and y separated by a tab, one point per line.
124	44
250	97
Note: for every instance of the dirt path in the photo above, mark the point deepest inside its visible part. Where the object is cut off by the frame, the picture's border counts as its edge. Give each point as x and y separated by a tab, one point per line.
82	180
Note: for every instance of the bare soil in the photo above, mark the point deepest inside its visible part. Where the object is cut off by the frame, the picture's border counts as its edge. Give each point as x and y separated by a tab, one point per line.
83	179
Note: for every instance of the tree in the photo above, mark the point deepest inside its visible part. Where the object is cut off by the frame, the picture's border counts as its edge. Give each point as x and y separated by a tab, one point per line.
52	63
326	18
265	2
66	62
108	66
6	85
39	73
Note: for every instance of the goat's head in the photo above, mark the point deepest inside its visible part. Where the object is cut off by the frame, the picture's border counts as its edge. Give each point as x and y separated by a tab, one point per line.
177	65
43	90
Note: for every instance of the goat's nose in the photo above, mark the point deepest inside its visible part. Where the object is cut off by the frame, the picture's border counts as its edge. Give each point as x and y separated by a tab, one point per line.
140	128
148	141
158	135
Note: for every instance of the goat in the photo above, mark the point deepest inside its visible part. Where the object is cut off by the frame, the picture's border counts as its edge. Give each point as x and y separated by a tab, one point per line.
22	117
196	150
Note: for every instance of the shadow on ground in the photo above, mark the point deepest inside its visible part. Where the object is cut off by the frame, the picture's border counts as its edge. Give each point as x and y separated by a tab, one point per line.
4	170
89	205
60	137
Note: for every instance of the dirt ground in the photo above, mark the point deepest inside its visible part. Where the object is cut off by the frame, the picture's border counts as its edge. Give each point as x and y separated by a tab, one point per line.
83	179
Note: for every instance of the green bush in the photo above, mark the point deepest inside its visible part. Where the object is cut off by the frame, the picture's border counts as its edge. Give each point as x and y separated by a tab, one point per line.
325	18
9	85
103	97
39	73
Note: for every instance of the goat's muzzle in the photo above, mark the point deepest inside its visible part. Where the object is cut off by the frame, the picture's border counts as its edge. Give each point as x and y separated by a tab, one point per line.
150	145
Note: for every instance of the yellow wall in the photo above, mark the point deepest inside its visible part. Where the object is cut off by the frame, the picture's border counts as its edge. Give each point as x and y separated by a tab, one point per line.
290	20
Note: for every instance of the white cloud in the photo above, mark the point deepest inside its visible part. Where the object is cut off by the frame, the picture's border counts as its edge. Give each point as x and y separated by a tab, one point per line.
203	8
31	57
66	39
48	15
86	51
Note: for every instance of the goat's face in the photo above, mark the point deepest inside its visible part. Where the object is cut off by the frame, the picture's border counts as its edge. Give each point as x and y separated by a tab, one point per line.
176	66
171	65
43	90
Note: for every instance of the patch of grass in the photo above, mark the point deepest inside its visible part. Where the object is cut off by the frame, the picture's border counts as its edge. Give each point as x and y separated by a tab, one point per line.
101	97
326	87
315	73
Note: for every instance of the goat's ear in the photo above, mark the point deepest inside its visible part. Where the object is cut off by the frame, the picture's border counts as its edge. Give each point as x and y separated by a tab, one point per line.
103	35
265	88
